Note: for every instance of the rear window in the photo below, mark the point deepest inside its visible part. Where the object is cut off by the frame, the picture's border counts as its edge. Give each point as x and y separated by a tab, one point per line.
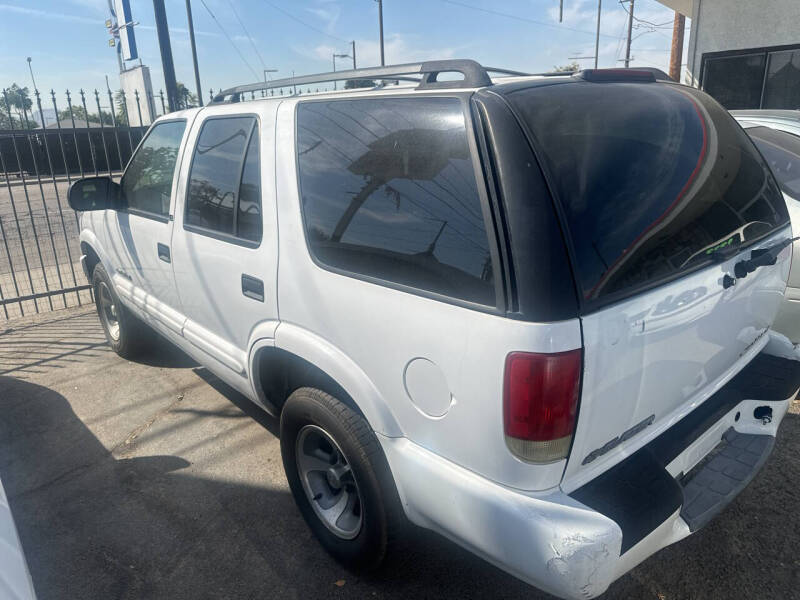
782	152
653	180
389	192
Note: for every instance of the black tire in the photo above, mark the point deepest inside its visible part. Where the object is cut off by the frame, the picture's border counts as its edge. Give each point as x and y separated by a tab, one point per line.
383	522
132	336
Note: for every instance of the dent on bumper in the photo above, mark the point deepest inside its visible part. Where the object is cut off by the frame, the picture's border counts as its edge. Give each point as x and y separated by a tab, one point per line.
548	540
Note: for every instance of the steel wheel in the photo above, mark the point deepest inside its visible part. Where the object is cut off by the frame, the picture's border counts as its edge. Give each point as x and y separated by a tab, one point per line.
108	310
328	482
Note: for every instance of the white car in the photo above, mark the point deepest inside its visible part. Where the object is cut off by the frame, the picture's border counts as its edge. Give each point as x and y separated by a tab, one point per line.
784	120
15	580
476	305
776	133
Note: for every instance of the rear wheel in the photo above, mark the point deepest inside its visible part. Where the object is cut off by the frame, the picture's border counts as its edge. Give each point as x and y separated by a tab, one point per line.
127	335
340	479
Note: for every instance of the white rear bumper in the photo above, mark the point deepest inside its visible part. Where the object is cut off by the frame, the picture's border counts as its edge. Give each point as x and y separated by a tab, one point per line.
550	539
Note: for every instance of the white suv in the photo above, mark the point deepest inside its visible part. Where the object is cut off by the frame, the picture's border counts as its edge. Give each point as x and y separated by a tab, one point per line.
532	315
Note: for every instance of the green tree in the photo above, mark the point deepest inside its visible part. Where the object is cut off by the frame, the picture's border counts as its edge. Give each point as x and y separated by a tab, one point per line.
14	122
119	103
573	66
19	98
186	99
79	113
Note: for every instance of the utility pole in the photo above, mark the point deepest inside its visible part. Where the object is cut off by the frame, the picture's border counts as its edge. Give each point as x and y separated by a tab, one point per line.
30	68
630	31
353	44
334	69
597	38
380	24
676	56
194	52
166	54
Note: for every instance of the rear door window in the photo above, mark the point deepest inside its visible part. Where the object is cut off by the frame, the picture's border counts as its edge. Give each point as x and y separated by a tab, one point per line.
782	152
389	192
224	182
652	179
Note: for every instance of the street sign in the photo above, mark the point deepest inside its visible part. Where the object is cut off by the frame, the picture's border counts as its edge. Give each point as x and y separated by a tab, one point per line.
127	39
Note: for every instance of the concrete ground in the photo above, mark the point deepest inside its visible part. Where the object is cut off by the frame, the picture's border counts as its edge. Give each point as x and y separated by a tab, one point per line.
152	479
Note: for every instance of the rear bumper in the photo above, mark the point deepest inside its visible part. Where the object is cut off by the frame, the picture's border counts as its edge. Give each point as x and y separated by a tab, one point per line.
575	546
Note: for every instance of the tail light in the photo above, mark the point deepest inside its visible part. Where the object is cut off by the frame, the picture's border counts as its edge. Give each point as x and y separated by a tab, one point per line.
540	403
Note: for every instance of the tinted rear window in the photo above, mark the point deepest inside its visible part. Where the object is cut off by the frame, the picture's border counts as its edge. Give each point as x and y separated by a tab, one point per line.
388	191
653	179
782	151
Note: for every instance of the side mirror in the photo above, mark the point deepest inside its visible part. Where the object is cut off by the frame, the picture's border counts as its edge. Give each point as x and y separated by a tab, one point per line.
94	193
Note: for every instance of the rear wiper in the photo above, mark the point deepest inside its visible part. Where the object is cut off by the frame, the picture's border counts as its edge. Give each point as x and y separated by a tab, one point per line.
761	257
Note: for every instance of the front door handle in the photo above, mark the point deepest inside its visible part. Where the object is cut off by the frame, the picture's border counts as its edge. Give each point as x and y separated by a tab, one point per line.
163	253
252	287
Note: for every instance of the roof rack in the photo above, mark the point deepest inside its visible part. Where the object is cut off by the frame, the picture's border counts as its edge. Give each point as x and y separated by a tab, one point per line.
475	75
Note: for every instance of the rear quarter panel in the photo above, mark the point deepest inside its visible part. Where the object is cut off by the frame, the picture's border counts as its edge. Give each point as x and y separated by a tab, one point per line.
382	330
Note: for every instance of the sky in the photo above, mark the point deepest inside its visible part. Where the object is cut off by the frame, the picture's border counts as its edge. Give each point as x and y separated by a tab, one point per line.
237	39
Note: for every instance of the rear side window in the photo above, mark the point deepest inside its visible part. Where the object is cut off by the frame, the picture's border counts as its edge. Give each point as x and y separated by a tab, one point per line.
782	152
388	191
147	184
224	182
653	179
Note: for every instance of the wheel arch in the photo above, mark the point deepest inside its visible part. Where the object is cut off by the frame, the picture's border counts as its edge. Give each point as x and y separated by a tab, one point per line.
93	250
298	358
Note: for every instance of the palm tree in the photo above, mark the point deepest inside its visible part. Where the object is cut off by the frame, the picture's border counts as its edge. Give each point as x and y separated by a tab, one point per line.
19	98
186	98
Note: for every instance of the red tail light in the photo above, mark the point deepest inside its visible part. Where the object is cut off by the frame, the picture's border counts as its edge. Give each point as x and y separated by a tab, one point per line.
540	403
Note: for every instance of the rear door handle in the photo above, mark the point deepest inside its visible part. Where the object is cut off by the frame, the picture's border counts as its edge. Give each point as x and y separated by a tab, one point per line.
252	287
163	253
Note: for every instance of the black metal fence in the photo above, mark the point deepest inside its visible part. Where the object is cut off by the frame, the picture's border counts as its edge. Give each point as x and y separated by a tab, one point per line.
89	133
39	246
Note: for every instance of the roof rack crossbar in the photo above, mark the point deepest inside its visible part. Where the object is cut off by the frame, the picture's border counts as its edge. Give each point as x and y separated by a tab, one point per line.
474	75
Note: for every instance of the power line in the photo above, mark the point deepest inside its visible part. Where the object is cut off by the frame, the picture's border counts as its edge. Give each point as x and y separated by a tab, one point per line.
524	19
225	33
317	29
247	33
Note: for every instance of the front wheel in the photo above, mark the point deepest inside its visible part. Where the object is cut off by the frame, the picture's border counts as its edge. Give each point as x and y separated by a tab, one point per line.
126	334
340	479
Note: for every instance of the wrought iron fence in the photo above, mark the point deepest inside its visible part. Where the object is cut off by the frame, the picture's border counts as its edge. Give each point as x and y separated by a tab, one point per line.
39	247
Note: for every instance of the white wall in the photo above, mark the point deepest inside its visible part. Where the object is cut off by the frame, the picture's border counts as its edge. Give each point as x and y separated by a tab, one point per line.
719	25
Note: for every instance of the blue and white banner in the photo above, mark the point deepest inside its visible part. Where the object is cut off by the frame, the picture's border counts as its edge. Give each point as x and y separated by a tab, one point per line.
127	38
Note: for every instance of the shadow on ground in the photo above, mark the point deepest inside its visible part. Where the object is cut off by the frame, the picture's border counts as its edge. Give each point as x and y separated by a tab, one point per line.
97	527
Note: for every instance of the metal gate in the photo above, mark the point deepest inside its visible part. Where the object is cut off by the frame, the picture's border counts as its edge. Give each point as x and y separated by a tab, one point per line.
39	247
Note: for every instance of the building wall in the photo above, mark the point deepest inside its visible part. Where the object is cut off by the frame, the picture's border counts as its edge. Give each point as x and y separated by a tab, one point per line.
137	79
719	25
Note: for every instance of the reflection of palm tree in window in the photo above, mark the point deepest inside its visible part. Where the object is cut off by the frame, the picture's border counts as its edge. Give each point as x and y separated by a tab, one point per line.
362	195
412	154
147	184
204	149
207	209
